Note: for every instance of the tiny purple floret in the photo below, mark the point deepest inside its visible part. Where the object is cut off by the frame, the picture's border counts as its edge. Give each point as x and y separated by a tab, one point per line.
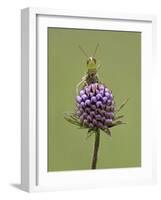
93	99
84	97
99	104
87	102
79	99
98	96
82	92
104	99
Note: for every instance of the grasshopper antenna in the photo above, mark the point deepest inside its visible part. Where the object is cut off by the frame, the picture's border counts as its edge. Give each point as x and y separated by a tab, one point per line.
83	51
96	50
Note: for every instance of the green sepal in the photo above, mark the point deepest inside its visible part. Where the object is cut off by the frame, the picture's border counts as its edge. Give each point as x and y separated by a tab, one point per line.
83	127
117	123
90	132
107	131
71	118
122	105
118	117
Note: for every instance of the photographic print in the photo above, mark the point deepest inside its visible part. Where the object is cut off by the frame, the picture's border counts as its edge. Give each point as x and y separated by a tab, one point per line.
85	103
94	99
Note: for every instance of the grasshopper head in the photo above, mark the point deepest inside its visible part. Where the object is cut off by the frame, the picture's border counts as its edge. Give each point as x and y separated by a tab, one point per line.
91	63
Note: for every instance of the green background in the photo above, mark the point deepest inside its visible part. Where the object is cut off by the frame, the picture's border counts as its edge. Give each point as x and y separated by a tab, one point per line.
120	56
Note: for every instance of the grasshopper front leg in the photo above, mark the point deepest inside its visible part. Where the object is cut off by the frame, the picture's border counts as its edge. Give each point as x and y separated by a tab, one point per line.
80	83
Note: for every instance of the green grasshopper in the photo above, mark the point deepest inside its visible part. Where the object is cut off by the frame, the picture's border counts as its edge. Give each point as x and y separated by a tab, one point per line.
91	75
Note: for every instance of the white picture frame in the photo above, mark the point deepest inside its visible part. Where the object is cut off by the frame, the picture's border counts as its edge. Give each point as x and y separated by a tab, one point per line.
34	175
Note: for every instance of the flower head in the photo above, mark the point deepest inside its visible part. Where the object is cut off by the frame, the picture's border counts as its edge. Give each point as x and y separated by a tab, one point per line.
95	106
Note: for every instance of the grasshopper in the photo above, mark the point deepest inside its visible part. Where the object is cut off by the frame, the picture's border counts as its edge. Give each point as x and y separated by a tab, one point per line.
91	75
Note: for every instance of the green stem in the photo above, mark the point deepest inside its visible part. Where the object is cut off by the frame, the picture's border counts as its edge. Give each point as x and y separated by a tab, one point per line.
96	147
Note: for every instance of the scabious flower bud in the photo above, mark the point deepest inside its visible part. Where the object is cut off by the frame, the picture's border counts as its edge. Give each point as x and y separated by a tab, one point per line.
87	102
82	105
99	104
95	106
107	94
98	96
82	92
104	99
78	98
93	99
84	97
108	122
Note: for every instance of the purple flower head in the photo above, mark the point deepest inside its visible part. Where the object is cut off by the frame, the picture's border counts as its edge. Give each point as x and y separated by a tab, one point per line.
95	106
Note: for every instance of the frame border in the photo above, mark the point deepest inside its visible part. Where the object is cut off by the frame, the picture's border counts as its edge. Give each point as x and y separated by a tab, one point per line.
29	145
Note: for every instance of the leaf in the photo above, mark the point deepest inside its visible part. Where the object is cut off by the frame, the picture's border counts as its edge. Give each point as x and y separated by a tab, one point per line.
122	105
107	131
89	134
72	121
117	123
72	115
90	130
83	127
119	117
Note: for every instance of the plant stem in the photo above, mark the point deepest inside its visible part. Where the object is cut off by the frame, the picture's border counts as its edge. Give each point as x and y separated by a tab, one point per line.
96	147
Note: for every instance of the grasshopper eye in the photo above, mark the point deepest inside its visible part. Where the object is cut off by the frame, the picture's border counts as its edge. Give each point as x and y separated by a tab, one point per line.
91	60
